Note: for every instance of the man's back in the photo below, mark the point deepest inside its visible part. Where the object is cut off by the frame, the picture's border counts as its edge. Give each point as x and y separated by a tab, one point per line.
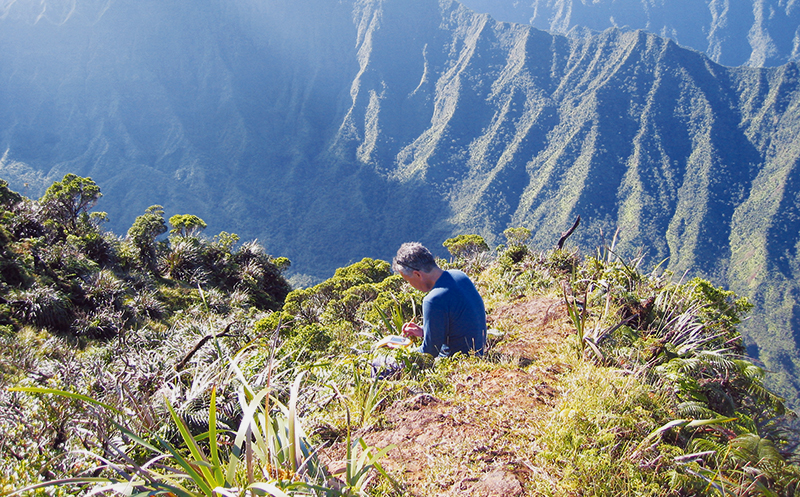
454	316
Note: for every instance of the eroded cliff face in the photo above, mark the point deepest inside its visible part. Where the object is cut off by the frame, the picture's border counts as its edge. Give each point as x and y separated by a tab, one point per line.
757	33
334	130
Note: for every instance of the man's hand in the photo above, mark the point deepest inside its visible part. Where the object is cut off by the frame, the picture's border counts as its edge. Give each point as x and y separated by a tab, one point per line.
412	330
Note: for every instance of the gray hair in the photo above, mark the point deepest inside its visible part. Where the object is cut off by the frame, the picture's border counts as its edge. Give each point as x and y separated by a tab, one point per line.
413	256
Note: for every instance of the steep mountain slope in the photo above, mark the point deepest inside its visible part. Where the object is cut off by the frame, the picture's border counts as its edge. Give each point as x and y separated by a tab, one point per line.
755	33
336	130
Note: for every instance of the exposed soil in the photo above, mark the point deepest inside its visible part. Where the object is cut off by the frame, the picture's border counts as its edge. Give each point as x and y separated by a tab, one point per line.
479	442
542	325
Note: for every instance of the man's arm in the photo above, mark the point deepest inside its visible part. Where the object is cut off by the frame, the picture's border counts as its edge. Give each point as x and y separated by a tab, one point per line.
435	326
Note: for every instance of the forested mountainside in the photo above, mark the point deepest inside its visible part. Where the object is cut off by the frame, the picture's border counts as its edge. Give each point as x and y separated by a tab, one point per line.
754	33
333	130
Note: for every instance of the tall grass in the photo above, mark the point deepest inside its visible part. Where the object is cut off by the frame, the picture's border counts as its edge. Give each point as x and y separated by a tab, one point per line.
268	454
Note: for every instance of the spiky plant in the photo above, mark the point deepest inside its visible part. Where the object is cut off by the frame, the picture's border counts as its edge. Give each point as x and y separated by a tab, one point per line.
103	288
43	306
146	303
182	261
103	322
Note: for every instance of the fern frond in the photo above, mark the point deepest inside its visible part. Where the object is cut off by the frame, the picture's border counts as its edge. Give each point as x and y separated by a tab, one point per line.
706	445
695	410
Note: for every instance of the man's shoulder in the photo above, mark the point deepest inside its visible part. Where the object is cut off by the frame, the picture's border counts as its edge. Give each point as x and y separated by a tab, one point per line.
442	288
460	278
450	284
456	275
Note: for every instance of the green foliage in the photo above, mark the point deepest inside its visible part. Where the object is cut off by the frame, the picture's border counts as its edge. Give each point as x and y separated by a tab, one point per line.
43	306
514	254
516	249
8	198
199	340
340	297
282	263
143	233
186	225
577	313
465	245
225	241
62	273
272	322
308	341
269	443
68	201
252	271
720	306
183	262
177	298
392	309
365	271
562	261
517	236
594	433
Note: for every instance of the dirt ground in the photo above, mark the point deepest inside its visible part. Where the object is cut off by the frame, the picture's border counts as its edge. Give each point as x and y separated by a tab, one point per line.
480	442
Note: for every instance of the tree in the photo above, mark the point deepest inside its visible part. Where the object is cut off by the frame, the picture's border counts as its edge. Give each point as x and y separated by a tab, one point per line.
225	241
466	245
69	200
8	198
143	234
186	225
517	236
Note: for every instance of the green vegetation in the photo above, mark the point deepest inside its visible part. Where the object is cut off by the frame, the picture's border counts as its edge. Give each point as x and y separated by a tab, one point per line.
185	367
466	245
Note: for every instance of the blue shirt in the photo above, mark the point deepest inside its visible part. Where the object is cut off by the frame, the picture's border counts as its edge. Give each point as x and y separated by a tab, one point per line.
454	318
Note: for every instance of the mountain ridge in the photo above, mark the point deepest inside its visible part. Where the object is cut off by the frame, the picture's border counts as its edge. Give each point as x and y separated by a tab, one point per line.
756	33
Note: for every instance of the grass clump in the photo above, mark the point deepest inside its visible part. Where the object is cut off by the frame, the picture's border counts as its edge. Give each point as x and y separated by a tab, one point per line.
591	438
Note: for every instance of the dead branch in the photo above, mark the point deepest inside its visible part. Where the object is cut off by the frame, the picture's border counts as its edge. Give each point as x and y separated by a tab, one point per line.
566	235
180	364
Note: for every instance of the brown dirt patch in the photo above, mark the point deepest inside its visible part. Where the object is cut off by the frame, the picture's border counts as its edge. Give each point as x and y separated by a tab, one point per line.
541	323
480	442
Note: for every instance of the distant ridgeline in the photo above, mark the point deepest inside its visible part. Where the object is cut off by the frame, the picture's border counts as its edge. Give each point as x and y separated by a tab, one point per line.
755	33
332	130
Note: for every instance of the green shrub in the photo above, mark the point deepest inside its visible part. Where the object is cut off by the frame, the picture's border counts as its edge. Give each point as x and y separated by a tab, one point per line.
268	324
718	305
12	272
595	432
146	304
365	271
463	246
177	298
307	342
517	236
42	306
514	254
561	261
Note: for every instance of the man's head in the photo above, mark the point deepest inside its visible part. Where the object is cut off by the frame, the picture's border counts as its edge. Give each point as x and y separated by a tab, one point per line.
417	266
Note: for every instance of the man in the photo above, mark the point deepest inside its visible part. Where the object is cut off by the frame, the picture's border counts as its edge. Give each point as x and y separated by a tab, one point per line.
454	318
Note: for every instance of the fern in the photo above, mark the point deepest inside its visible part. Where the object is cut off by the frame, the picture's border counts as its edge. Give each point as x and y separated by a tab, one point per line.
695	410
